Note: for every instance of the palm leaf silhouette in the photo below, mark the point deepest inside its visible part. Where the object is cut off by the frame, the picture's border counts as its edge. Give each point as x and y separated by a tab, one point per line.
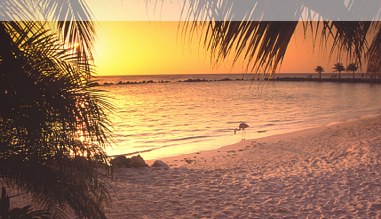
374	52
48	106
25	212
263	43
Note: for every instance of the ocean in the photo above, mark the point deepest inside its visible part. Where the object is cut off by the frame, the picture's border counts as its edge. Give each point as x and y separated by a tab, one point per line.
173	117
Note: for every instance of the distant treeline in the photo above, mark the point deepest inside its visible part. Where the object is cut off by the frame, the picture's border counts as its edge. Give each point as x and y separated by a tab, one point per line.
295	79
340	80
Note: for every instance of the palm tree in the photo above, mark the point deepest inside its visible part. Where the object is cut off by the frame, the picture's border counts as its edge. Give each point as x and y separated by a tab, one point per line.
263	44
338	67
53	125
319	70
352	67
25	212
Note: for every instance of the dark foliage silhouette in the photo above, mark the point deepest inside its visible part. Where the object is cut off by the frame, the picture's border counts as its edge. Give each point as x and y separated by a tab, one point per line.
53	125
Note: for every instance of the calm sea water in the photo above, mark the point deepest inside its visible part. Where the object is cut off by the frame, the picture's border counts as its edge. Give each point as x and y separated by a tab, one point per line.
165	119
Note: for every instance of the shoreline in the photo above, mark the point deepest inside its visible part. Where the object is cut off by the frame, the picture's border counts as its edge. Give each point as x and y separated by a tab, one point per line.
244	143
371	114
330	171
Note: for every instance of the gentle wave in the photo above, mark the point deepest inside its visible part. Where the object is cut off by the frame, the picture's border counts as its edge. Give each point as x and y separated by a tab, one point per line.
187	115
189	138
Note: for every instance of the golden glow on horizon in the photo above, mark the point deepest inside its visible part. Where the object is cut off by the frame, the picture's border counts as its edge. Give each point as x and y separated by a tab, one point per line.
136	48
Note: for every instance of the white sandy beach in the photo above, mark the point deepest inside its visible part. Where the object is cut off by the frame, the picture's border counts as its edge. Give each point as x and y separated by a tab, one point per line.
327	172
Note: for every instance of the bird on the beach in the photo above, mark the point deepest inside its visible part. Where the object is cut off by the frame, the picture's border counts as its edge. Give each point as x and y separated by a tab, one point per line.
242	126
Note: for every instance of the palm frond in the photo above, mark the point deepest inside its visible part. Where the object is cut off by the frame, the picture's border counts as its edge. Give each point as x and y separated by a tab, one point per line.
58	183
24	212
262	44
242	28
374	52
72	19
12	10
350	38
49	107
74	22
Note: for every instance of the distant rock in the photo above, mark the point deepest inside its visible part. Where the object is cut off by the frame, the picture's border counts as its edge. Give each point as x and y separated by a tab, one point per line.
93	84
194	80
226	79
160	164
138	161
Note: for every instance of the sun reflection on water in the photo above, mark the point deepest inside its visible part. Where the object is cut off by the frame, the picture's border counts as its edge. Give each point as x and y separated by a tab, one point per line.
163	120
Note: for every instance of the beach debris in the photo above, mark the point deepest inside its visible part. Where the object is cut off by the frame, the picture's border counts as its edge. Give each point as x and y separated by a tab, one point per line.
160	164
189	161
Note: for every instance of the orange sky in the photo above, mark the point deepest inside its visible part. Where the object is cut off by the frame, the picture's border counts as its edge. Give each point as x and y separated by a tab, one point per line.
147	42
156	47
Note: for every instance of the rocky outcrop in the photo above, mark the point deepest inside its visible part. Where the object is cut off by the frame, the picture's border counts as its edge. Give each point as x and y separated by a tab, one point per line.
123	161
120	161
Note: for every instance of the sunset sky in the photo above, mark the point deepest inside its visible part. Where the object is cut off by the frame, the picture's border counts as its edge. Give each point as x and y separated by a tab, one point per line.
143	47
147	42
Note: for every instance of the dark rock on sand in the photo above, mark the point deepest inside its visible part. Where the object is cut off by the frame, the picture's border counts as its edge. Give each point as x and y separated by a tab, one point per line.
122	161
138	161
160	164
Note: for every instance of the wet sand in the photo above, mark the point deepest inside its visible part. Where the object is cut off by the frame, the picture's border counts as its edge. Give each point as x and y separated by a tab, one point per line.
326	172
